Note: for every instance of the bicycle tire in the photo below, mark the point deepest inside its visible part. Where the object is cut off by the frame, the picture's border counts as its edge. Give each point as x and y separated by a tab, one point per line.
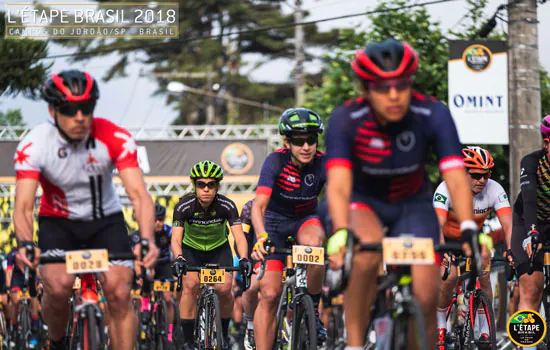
213	312
280	331
200	334
24	320
481	298
92	331
546	305
400	327
304	331
161	321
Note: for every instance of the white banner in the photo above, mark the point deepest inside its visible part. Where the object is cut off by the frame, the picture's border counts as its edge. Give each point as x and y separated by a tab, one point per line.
478	91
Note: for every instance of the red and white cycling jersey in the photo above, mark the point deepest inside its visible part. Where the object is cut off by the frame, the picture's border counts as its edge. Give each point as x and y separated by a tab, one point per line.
493	197
76	180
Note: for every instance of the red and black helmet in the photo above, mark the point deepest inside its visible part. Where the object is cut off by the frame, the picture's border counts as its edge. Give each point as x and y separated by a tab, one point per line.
70	86
388	59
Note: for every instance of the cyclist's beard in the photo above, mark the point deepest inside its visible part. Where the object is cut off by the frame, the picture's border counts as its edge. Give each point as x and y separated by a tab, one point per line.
63	133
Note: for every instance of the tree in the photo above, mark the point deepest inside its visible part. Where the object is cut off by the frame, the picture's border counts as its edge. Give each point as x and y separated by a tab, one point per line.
12	117
23	72
221	55
429	40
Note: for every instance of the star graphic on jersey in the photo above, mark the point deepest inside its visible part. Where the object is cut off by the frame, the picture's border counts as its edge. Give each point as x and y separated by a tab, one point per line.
129	145
91	159
20	156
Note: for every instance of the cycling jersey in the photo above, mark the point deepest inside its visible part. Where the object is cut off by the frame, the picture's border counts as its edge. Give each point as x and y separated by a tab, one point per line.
162	241
492	197
388	162
76	179
205	229
248	229
533	202
293	191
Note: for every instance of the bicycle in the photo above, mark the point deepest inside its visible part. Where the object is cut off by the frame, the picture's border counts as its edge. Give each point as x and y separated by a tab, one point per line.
87	329
208	324
462	335
336	338
299	330
23	332
400	305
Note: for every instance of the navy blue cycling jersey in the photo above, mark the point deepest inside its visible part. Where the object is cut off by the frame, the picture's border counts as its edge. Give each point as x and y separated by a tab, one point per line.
162	240
293	191
388	162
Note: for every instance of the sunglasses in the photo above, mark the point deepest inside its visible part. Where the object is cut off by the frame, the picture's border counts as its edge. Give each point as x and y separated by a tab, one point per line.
311	140
211	185
160	218
71	109
478	176
383	87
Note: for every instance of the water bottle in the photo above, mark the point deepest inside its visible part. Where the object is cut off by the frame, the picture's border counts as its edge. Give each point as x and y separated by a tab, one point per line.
382	327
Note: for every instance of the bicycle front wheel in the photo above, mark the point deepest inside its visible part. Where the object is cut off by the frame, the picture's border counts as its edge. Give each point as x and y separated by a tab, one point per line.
161	321
412	315
282	332
304	332
482	301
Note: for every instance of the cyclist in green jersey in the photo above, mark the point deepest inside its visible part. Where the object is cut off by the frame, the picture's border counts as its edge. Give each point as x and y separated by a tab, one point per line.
200	236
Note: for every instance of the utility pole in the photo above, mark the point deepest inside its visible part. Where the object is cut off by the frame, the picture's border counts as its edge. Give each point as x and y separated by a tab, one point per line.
210	111
523	85
299	55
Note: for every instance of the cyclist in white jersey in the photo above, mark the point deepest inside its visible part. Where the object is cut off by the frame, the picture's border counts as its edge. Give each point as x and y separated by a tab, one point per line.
72	157
488	196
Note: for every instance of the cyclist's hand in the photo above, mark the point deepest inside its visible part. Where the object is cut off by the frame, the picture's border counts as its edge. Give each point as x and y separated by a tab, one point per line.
527	243
245	268
508	255
259	252
21	257
152	255
179	267
337	242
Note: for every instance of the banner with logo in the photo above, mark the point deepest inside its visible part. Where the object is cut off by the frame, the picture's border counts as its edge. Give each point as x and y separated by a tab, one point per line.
478	90
175	157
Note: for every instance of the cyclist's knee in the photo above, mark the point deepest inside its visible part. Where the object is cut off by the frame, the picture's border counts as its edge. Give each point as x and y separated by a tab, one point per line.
224	290
313	237
118	296
59	289
270	294
190	285
367	262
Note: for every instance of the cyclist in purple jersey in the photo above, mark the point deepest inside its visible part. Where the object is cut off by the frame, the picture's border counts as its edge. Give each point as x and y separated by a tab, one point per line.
377	148
285	205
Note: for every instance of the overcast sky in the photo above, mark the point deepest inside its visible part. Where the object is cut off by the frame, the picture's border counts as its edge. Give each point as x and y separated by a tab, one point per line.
129	101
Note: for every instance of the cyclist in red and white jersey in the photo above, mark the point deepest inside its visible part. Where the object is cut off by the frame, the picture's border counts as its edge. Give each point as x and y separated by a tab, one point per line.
72	157
488	196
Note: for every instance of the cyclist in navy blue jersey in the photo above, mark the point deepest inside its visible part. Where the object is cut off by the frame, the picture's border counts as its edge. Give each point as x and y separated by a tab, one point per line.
285	205
377	149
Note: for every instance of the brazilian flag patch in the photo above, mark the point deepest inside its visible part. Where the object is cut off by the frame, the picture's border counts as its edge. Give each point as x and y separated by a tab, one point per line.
440	198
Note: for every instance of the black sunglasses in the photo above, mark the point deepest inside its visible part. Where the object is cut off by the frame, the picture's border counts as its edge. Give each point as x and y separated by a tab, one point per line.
70	109
311	140
211	185
160	218
383	87
478	176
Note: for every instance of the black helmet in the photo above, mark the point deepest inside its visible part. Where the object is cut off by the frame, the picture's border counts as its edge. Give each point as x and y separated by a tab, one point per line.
70	86
300	121
388	59
160	211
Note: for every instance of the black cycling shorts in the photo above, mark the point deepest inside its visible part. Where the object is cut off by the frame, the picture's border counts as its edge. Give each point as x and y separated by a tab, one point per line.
2	281
164	272
221	255
519	233
56	235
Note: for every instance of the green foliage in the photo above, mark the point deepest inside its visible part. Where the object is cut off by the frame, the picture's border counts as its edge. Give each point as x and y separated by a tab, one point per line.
416	27
26	76
12	117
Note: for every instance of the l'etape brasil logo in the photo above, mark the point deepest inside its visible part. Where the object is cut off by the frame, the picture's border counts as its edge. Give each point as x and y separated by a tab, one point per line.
477	58
526	328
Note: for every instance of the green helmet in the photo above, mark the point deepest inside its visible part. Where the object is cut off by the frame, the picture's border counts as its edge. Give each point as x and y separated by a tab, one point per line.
206	170
300	121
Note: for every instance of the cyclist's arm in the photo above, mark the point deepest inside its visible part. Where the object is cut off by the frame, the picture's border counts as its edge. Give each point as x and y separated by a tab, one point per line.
132	179
240	239
338	195
502	208
528	186
442	204
506	223
25	190
175	242
258	212
9	273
